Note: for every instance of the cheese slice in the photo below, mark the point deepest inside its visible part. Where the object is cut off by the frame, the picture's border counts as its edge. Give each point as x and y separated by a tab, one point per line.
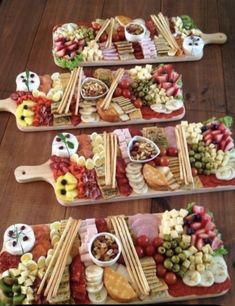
118	286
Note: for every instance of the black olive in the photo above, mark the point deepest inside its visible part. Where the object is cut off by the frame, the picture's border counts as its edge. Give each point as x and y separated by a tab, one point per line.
25	238
190	44
10	233
24	81
22	227
63	191
22	77
67	136
61	147
196	44
58	139
32	81
25	107
63	182
32	75
22	117
14	243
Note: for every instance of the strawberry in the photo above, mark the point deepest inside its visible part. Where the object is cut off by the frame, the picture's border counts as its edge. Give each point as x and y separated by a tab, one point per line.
196	225
168	68
199	209
173	76
161	78
170	91
166	85
229	145
193	239
200	244
216	243
218	137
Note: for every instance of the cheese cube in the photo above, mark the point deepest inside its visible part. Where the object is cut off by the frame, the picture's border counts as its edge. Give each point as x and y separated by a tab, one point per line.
199	254
198	260
192	258
207	258
179	221
41	273
28	282
174	234
186	263
22	267
6	273
192	250
192	267
24	289
174	213
179	229
21	280
183	212
200	267
187	253
186	239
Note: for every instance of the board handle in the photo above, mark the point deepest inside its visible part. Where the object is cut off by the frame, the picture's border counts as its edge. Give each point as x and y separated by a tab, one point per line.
214	38
8	105
26	174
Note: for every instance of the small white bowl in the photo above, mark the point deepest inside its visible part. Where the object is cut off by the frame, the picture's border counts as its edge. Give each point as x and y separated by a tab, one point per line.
98	81
139	138
132	37
100	262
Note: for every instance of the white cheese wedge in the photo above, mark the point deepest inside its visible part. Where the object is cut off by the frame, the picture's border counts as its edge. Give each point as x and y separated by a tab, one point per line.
19	239
33	81
193	45
61	149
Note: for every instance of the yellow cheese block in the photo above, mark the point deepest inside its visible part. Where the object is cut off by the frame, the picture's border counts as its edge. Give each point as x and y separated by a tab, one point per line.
118	286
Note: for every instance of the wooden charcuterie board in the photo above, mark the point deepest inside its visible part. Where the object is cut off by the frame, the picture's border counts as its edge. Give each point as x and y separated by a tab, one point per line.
36	108
212	166
201	270
109	42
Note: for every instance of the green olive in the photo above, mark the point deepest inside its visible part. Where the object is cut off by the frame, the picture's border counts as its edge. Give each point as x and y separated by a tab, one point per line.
161	250
194	147
175	259
201	149
176	268
184	269
167	237
174	244
198	165
198	156
181	273
169	253
182	257
178	250
207	172
191	153
192	160
167	245
208	166
183	245
168	264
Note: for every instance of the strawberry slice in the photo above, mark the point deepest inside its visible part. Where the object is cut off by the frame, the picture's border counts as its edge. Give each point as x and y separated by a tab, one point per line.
229	145
196	225
207	136
68	43
174	76
218	137
211	234
206	217
168	68
200	231
166	85
170	91
216	132
209	226
161	78
193	239
222	145
72	47
222	128
178	92
200	244
216	243
203	236
61	53
197	209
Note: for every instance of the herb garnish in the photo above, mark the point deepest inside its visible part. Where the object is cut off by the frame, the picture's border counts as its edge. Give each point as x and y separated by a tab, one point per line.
27	79
68	144
226	120
220	252
189	207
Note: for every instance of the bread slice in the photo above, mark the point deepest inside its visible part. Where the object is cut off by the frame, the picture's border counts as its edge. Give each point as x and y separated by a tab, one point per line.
118	286
123	20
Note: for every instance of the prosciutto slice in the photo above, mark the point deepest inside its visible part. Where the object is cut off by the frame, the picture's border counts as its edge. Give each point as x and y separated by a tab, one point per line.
170	136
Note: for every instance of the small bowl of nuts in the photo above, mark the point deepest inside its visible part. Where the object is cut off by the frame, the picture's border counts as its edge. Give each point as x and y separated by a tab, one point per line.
93	89
104	249
142	150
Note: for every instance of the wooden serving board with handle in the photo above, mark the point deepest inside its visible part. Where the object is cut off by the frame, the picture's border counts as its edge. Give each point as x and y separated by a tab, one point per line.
153	299
9	105
213	38
26	174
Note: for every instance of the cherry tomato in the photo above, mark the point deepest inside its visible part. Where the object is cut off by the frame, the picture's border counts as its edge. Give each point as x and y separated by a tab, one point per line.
96	26
171	151
103	37
170	278
159	258
121	36
149	250
124	84
126	93
120	29
115	37
157	160
194	171
163	152
161	270
157	242
142	241
164	161
139	251
138	103
117	92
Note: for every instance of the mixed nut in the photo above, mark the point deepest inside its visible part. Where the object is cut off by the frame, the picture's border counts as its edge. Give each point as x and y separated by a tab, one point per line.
142	150
104	248
92	88
135	29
